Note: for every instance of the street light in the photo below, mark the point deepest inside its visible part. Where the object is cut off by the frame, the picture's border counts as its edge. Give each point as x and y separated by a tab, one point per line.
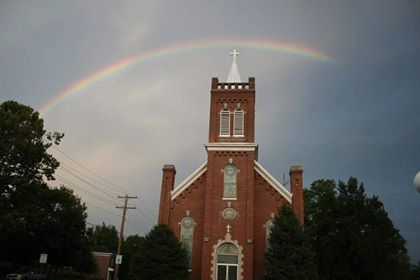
417	181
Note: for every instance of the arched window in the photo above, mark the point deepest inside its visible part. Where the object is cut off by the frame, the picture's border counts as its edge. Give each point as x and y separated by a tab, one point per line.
187	232
227	262
238	124
268	227
224	122
229	181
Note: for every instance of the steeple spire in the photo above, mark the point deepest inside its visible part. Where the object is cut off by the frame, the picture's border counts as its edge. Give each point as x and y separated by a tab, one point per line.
234	76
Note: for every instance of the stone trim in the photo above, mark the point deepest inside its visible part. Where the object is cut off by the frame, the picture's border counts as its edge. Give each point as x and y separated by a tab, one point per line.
231	146
228	239
273	182
187	182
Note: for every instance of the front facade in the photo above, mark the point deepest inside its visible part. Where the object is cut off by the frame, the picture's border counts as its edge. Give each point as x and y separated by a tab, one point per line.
222	213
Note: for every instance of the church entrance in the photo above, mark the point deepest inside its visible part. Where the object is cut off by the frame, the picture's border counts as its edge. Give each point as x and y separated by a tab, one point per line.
227	262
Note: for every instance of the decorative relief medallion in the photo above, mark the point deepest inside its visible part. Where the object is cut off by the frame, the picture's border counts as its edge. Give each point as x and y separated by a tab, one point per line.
229	213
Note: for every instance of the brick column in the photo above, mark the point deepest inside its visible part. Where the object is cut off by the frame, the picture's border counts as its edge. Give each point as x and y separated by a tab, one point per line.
208	242
296	186
168	180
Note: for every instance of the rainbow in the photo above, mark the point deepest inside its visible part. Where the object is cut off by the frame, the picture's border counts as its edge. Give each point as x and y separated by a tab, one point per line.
269	45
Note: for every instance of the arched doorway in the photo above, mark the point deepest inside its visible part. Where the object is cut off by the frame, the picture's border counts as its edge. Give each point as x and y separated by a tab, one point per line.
227	257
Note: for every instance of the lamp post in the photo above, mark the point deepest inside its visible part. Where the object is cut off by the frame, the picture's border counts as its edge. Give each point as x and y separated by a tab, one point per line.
417	181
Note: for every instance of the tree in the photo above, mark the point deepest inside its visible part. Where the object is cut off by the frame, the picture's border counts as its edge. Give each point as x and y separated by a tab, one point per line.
24	163
103	238
63	227
35	219
320	217
415	272
51	221
131	247
161	256
289	255
351	234
23	148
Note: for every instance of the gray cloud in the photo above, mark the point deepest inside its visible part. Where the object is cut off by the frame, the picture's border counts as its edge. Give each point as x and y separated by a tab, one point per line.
356	117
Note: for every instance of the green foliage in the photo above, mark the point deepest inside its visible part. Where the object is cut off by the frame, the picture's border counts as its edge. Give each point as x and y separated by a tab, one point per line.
414	272
35	219
289	255
131	247
63	226
103	238
84	260
351	234
23	147
161	256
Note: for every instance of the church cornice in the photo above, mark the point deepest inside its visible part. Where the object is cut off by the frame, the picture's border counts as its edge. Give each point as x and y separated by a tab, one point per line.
231	146
189	180
272	181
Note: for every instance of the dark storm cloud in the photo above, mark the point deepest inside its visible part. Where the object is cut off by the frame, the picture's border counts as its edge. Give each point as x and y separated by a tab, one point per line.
358	116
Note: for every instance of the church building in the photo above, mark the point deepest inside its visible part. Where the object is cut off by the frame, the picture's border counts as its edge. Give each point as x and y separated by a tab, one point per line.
223	212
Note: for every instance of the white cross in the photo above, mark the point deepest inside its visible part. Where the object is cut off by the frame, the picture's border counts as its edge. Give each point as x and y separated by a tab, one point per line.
228	227
234	54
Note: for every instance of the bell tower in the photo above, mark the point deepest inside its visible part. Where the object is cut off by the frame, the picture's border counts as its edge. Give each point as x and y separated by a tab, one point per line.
230	174
232	108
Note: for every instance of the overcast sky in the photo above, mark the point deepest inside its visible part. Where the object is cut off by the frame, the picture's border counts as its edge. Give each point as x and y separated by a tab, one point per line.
355	115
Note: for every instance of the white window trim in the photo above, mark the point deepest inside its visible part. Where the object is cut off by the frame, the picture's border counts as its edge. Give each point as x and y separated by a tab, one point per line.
242	123
228	124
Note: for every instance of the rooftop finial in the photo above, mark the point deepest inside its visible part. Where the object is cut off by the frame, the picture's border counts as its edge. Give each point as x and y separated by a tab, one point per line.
234	76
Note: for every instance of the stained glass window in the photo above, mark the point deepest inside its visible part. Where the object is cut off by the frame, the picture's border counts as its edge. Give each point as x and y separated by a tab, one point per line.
229	186
187	232
268	227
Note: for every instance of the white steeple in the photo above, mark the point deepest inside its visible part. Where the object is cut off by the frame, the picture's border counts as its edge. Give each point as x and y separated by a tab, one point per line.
234	76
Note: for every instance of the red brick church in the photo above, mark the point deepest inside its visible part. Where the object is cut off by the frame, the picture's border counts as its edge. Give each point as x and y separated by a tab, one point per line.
222	213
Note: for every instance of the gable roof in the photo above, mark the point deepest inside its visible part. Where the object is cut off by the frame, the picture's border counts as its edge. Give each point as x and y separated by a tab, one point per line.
258	168
188	181
273	182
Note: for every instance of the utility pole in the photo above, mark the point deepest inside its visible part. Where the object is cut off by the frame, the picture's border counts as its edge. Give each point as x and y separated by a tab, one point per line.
125	207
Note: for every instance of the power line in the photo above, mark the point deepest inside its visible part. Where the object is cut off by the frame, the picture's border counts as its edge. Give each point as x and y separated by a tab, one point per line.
88	177
150	221
119	189
138	221
106	211
147	216
96	225
131	224
140	226
144	221
74	185
87	182
144	227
